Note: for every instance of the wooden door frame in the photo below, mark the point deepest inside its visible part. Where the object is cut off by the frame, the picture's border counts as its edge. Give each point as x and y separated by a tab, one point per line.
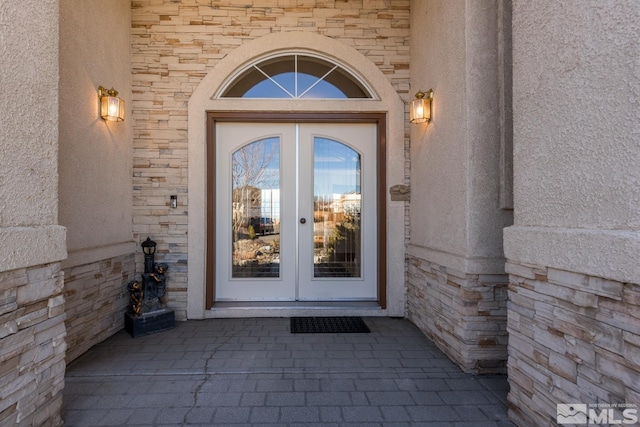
214	117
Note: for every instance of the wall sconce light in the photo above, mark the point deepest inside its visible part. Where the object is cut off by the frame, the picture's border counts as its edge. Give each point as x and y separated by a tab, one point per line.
421	107
111	105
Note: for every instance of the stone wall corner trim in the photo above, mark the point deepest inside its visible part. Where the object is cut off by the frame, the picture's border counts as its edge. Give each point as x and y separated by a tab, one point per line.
611	254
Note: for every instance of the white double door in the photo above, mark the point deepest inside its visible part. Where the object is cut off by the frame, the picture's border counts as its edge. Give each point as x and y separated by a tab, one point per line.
295	212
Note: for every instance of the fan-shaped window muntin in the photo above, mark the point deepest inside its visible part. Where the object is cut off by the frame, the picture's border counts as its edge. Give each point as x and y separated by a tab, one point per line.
296	76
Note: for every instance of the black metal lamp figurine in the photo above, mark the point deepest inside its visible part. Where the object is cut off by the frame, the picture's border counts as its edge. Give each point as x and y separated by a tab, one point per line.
148	306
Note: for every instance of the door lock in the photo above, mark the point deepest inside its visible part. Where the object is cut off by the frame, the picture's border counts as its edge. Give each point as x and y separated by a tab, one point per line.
303	220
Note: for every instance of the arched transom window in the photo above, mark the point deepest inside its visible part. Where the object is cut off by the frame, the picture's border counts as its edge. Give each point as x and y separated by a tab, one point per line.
295	76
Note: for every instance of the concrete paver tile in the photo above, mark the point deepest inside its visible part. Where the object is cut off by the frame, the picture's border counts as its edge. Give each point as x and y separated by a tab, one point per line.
439	413
464	397
285	399
394	414
426	398
470	413
302	384
274	385
299	414
265	415
361	414
358	398
253	399
141	416
216	400
331	398
330	414
376	385
226	416
380	398
84	418
242	385
163	416
198	415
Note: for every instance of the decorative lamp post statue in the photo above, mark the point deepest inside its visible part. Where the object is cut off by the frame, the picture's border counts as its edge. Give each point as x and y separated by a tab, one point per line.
148	312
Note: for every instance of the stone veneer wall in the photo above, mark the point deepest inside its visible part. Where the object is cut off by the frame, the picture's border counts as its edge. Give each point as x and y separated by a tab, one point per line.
573	338
174	45
32	346
96	299
464	314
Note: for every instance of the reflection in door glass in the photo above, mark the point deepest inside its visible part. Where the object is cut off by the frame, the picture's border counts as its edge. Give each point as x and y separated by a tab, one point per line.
256	209
337	210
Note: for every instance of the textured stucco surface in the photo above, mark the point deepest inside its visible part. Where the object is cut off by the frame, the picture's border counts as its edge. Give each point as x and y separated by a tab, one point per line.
95	155
29	246
28	105
456	218
576	99
438	149
29	137
485	217
576	132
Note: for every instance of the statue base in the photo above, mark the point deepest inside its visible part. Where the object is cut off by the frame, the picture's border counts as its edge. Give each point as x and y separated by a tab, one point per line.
149	323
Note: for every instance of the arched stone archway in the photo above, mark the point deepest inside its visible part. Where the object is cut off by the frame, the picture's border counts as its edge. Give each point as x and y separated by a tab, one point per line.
204	99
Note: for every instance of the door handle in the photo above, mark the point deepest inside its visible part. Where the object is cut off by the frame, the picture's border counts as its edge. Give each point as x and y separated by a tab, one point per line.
303	220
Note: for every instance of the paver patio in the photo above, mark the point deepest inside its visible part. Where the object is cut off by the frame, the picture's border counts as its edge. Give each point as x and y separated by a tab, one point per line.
254	372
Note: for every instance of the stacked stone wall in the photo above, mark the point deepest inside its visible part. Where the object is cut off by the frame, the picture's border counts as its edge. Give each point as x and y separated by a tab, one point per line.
96	299
175	44
573	338
464	314
32	346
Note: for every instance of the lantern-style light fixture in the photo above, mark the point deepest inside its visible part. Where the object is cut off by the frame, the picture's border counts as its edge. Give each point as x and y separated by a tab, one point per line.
420	111
149	249
149	246
111	105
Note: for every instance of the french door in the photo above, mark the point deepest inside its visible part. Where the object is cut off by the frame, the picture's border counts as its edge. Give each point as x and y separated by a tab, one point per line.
296	215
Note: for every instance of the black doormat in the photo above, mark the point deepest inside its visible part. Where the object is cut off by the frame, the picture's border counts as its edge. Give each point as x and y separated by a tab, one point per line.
328	325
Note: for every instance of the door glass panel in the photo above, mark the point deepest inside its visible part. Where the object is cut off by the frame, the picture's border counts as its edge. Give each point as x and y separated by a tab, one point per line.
337	209
255	215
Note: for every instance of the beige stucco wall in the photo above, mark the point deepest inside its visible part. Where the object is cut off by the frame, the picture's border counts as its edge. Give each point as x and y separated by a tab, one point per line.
576	125
455	159
29	137
438	149
96	160
95	155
